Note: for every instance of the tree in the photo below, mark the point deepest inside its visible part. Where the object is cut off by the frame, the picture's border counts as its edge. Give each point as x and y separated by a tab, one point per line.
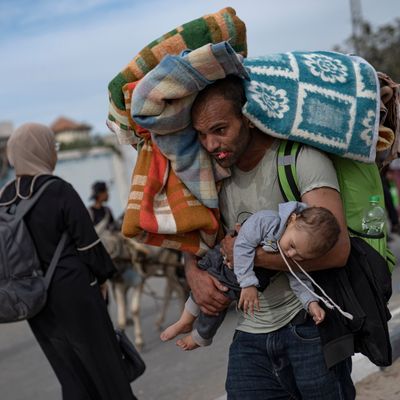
380	47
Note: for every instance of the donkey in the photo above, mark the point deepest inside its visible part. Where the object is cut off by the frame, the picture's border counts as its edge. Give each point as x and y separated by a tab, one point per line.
147	261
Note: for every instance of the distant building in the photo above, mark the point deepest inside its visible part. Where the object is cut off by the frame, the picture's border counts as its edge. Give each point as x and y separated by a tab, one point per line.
6	128
68	131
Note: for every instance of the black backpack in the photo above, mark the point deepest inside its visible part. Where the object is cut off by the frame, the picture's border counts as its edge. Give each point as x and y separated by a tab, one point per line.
364	286
23	286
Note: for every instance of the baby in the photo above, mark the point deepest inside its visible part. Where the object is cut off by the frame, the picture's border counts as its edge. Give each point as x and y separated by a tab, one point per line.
302	233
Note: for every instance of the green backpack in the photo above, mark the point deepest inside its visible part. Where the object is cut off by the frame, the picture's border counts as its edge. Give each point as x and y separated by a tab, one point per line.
357	181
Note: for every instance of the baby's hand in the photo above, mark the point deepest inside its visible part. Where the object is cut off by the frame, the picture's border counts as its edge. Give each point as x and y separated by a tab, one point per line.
316	311
249	300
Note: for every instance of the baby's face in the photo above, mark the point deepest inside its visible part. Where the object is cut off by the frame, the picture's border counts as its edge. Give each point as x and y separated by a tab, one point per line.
295	244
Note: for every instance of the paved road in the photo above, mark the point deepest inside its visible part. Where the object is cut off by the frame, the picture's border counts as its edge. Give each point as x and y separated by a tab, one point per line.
171	373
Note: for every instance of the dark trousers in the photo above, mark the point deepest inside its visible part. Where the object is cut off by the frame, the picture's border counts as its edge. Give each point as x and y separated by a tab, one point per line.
76	335
207	325
286	364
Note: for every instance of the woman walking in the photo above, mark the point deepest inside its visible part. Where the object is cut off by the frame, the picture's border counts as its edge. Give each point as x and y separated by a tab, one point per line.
73	329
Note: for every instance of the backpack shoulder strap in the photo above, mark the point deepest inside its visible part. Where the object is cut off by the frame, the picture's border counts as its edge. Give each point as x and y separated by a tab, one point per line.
3	189
286	167
54	260
27	204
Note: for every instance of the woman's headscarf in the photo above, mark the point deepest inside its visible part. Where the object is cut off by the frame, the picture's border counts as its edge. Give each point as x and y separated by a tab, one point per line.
31	149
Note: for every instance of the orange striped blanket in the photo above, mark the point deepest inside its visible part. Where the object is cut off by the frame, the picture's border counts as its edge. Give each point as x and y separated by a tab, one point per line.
162	212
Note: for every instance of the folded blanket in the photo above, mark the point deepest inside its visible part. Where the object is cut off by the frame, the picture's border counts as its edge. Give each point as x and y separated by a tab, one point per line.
213	28
388	144
162	212
323	99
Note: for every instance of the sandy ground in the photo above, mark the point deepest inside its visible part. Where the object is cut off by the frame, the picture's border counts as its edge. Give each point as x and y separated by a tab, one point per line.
382	385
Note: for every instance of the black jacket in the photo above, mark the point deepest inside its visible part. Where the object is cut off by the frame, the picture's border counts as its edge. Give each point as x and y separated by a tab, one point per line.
362	288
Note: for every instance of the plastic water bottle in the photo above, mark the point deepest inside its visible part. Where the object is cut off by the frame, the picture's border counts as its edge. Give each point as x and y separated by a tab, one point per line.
374	217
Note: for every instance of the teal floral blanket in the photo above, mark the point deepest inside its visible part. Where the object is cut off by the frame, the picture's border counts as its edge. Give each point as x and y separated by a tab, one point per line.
324	99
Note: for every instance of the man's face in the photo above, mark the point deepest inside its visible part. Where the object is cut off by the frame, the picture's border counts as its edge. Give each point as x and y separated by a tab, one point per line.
223	133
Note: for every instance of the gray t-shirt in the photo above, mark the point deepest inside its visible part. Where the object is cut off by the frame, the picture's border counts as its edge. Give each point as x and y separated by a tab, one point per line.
245	193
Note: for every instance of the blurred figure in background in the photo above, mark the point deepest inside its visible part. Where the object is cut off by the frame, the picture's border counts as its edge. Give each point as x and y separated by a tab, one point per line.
394	178
389	201
103	221
101	215
108	230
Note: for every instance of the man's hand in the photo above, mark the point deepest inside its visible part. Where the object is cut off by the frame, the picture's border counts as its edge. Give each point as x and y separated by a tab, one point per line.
207	290
227	244
249	300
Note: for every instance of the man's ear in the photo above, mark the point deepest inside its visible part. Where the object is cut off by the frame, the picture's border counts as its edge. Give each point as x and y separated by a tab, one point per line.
248	122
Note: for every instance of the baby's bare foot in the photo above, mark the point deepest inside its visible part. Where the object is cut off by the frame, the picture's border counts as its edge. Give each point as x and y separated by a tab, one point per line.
187	343
175	329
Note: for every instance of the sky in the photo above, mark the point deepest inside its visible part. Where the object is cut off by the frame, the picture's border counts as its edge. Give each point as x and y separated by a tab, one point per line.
57	56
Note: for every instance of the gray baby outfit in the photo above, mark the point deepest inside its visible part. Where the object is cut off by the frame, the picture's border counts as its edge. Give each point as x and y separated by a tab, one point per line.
265	228
262	228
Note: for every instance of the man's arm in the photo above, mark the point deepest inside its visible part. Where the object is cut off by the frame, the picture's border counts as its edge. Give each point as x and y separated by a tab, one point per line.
330	199
336	257
205	288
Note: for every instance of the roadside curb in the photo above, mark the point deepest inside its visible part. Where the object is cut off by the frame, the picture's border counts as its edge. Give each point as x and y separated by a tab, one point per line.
362	367
395	339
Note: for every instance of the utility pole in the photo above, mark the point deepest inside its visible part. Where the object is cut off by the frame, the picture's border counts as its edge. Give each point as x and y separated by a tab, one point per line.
356	22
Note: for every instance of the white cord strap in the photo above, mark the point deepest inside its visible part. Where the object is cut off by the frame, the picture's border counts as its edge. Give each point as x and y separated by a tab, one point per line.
327	300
